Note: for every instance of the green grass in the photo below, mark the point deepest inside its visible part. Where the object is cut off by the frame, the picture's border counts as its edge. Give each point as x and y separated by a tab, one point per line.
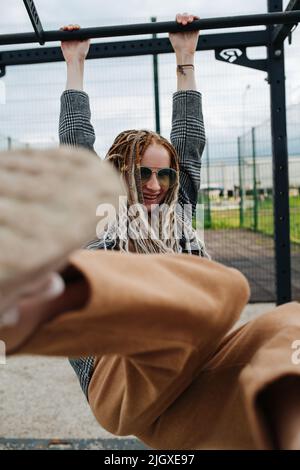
230	218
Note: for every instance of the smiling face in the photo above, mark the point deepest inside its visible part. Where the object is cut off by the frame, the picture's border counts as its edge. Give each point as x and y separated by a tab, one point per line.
155	157
149	152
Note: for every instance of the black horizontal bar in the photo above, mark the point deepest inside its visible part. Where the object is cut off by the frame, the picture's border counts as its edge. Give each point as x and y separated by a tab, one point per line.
282	31
154	28
135	48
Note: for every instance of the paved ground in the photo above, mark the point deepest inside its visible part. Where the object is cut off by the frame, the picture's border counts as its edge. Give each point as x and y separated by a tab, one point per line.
42	406
253	254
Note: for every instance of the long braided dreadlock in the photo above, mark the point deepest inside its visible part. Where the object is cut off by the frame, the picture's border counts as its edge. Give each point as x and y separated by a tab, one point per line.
125	154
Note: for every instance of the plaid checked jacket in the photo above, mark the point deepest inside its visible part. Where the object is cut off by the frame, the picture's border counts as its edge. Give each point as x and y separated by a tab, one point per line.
188	138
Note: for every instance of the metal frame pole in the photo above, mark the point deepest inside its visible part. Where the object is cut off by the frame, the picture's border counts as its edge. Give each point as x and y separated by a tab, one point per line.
156	87
280	165
133	48
255	205
241	191
35	20
263	19
209	220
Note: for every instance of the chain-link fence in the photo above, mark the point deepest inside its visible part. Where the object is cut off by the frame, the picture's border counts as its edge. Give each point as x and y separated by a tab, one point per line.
238	198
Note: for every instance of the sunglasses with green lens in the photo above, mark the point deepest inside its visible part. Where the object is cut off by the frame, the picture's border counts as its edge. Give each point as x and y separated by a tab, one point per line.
166	177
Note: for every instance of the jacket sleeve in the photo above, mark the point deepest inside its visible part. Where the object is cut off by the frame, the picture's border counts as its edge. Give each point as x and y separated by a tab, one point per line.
188	138
152	321
75	126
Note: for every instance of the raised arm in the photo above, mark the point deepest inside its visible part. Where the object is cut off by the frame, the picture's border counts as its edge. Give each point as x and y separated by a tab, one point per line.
75	126
188	133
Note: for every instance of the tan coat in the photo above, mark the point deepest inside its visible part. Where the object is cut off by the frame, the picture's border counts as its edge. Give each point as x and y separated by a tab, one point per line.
169	368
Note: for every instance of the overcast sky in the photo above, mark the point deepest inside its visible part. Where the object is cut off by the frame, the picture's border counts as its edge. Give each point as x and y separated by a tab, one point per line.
121	90
91	12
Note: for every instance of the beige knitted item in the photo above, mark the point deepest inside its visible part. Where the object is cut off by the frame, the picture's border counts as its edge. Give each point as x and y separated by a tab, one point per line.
48	202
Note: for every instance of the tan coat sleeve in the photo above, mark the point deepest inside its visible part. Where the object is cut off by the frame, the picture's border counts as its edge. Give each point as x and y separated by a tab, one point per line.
152	321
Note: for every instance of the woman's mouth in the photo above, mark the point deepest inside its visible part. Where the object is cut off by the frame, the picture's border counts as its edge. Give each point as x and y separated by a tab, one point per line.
151	198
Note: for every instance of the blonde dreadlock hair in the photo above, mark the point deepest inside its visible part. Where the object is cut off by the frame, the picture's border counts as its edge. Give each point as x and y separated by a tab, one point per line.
126	154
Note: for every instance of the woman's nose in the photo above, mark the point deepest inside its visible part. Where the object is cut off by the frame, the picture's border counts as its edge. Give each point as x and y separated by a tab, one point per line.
153	183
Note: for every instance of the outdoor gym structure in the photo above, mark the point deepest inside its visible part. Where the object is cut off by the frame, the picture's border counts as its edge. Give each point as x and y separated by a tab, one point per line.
230	48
